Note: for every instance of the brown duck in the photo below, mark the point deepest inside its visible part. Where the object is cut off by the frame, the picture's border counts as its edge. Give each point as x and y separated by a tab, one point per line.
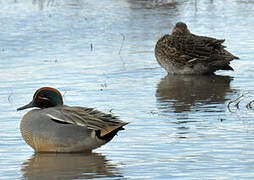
185	53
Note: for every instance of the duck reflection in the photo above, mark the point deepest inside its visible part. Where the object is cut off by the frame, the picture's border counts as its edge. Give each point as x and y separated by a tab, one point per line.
180	93
68	166
136	4
43	3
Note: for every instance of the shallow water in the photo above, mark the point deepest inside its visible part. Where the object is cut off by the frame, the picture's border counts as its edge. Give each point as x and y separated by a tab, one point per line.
100	54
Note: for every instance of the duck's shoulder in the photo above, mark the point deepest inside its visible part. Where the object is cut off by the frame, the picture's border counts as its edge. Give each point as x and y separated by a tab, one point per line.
165	39
165	45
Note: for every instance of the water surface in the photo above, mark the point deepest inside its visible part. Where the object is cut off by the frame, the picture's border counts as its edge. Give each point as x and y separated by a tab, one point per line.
101	54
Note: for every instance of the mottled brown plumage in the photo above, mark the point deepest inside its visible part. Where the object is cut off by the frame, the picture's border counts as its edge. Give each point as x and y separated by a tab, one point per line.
185	53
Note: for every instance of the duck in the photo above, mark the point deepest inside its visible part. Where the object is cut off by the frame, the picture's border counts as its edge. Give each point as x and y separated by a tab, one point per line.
182	52
55	127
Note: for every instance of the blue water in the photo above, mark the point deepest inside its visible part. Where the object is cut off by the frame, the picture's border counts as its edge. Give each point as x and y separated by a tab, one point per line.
101	54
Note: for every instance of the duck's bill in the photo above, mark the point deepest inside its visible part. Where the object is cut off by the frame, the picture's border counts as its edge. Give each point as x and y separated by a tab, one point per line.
30	105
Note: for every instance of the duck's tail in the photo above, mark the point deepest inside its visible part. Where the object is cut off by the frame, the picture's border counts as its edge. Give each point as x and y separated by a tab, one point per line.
108	133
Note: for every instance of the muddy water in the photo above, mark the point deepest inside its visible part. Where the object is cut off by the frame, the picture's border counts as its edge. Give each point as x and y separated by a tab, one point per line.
100	54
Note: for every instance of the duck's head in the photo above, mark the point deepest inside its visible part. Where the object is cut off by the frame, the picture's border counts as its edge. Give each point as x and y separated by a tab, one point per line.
180	28
45	97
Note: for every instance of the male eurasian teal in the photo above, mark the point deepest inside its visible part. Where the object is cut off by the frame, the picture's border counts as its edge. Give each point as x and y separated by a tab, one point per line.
56	127
185	53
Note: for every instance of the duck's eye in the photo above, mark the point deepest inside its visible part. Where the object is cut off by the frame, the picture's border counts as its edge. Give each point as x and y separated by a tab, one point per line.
44	102
43	98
